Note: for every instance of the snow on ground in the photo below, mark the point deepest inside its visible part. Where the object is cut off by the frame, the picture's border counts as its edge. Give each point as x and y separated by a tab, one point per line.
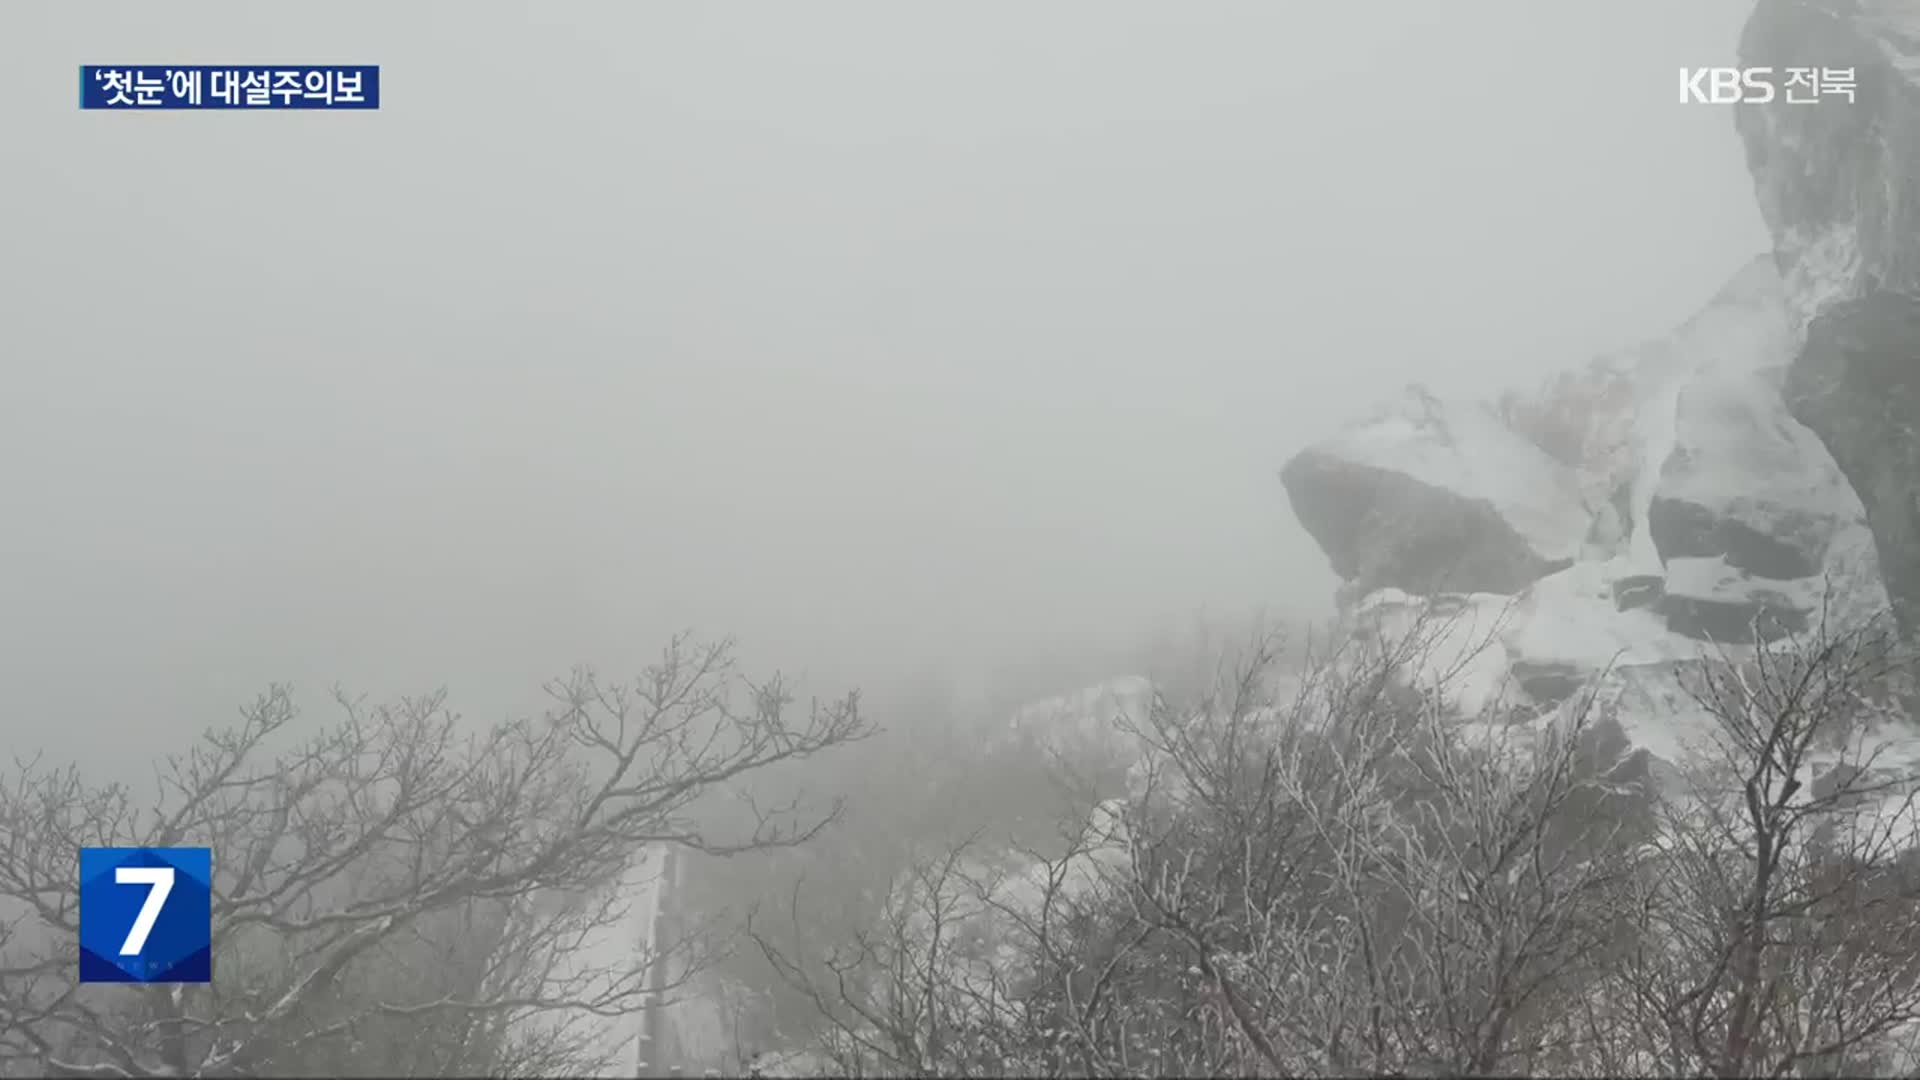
1571	618
1568	618
1646	673
1657	710
607	955
1457	650
1710	577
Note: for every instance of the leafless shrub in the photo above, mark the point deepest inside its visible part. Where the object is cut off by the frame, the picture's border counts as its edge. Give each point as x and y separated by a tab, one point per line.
396	894
1778	925
1333	873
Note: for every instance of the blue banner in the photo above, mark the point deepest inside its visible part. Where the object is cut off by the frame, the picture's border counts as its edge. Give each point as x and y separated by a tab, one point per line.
215	86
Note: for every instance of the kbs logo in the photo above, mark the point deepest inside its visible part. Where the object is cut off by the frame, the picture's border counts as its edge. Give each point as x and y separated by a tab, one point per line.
1759	85
146	915
1726	86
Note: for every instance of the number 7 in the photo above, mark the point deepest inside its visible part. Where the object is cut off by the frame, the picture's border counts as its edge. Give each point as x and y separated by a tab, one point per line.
161	880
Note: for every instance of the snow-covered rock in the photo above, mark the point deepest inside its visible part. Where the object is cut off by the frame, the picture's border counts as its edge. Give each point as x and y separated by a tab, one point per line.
1642	463
1096	713
977	918
1672	502
1453	645
1835	178
1838	183
1096	728
1753	474
1710	600
1724	513
1743	481
1429	495
1613	421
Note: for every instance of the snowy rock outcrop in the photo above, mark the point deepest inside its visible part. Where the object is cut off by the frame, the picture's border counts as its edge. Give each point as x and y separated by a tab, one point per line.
1750	515
1838	183
1743	484
1097	730
1749	474
1668	499
1095	717
1430	495
1673	471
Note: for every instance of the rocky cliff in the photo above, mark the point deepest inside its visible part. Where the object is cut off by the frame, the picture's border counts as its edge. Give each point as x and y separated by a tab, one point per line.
1627	514
1839	185
1753	471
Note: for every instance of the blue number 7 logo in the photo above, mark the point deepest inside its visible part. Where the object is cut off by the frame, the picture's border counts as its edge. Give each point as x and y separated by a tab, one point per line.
146	915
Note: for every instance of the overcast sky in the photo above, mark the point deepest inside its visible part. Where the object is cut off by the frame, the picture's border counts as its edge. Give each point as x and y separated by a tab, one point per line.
884	335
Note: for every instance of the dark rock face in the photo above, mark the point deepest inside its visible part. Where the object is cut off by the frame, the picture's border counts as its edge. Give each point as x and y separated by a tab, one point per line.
1732	621
1857	384
1684	529
1638	591
1745	483
1382	528
1433	496
1839	186
1839	168
1548	682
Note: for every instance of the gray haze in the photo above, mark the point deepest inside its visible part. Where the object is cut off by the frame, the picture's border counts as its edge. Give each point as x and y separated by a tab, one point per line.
887	336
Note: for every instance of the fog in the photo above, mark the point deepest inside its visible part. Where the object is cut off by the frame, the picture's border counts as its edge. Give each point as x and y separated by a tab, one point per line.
890	338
